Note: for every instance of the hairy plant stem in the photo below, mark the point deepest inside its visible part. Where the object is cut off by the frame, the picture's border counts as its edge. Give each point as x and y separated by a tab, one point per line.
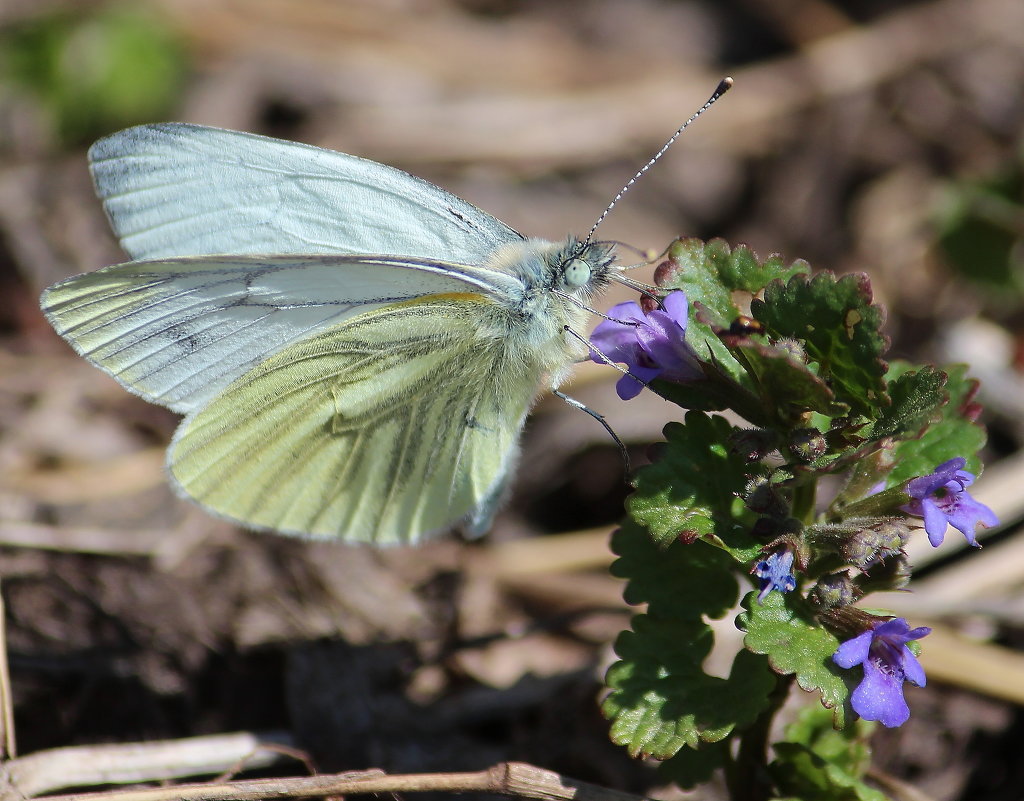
803	502
747	775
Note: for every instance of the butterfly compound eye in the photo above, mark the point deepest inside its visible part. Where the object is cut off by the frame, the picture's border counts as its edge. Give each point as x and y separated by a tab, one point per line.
576	272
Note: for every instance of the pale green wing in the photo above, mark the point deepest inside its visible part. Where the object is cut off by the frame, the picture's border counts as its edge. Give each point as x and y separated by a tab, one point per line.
174	189
384	428
180	331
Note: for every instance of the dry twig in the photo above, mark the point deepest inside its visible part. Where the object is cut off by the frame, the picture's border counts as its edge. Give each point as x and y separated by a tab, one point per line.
7	742
515	779
92	765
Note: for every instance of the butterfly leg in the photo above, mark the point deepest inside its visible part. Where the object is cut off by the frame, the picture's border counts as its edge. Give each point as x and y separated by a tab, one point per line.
601	419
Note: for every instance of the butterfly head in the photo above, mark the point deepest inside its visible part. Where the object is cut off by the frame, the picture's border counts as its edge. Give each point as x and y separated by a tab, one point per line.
582	268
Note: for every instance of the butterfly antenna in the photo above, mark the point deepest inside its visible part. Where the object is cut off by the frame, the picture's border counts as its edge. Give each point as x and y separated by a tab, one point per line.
720	90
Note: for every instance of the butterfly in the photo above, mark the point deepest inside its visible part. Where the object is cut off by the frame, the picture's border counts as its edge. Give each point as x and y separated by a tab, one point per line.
354	349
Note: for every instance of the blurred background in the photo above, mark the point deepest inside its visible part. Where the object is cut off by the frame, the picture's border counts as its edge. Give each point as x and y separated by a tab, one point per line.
862	135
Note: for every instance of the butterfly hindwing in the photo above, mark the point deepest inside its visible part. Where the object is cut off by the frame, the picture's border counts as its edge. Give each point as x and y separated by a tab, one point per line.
383	428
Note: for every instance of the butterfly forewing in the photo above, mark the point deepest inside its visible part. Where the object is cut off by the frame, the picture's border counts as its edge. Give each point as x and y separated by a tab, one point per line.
175	189
177	332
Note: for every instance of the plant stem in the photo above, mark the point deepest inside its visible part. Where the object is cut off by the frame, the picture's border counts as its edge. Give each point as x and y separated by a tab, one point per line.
747	775
803	502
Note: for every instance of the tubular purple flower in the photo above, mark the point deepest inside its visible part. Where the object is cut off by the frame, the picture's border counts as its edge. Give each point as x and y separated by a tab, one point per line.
651	345
776	573
888	662
942	499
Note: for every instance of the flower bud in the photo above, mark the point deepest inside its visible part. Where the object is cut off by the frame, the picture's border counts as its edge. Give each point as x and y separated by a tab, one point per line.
766	528
874	543
753	444
861	541
761	497
833	591
807	444
848	621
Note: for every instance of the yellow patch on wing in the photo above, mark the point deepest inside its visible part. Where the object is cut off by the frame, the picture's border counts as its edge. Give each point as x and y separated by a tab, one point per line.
445	297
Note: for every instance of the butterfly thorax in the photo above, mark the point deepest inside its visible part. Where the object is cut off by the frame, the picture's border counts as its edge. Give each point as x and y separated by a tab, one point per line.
555	282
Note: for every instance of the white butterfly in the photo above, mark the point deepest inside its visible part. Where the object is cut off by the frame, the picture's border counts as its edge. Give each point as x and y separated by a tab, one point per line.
353	348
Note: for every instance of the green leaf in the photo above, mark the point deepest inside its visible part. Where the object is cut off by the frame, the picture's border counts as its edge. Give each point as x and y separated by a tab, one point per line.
840	329
742	270
693	766
802	773
956	434
787	384
709	273
917	397
699	396
686	581
712	270
795	644
691	488
661	700
694	268
848	748
816	761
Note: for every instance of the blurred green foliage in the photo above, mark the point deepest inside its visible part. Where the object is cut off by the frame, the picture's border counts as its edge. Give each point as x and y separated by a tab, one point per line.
980	225
94	70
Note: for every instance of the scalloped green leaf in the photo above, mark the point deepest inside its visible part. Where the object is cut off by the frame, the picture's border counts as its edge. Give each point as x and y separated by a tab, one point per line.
741	269
796	645
691	488
813	760
849	748
716	264
685	581
840	329
694	271
802	773
956	433
694	268
661	700
917	399
709	273
786	384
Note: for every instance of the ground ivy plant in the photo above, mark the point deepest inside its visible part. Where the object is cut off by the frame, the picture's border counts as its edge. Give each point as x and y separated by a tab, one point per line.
787	390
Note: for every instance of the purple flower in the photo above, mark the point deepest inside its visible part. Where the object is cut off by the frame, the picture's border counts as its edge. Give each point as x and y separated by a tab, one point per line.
887	662
942	499
776	573
653	347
